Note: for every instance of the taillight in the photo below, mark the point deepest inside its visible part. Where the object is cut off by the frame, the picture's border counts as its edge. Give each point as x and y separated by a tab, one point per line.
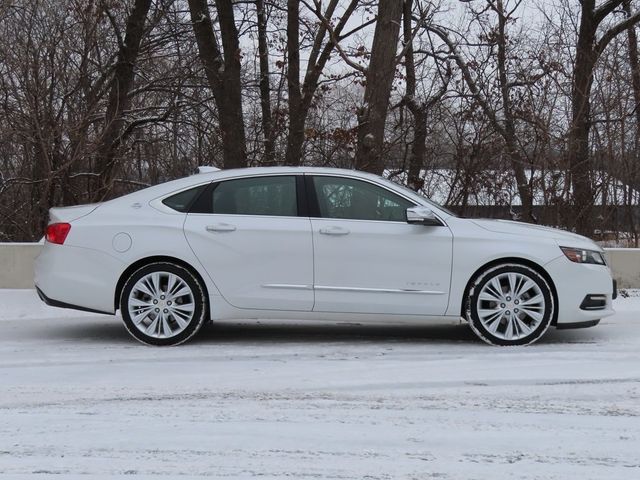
57	232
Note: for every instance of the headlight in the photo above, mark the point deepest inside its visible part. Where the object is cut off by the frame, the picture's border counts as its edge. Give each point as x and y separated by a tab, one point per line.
580	255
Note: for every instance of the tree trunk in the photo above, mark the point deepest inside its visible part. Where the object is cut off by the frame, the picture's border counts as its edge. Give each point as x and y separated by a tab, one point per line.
510	138
265	85
634	63
418	150
419	110
380	74
223	75
232	118
300	103
418	147
578	139
296	120
107	164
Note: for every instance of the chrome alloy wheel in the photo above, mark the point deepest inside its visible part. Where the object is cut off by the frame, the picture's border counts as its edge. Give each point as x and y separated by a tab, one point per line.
511	306
161	305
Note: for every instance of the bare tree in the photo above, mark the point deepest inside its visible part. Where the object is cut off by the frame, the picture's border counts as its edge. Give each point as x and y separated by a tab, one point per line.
500	111
380	74
58	80
589	47
119	99
634	63
100	98
419	109
325	41
222	70
265	85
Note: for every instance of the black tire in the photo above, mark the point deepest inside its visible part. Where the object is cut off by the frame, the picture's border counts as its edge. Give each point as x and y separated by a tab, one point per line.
199	304
472	302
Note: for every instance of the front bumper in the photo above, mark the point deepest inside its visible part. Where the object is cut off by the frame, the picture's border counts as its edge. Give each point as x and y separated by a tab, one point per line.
569	326
573	282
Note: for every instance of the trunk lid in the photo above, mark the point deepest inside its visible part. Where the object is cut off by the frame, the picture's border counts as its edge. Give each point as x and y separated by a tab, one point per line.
69	214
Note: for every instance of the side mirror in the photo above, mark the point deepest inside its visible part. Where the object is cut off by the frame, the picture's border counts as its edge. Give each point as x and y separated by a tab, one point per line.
422	216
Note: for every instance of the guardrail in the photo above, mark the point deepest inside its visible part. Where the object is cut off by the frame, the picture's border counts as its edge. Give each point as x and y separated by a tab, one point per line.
17	259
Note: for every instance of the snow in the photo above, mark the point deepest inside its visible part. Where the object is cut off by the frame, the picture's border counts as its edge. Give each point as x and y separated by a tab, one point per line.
287	400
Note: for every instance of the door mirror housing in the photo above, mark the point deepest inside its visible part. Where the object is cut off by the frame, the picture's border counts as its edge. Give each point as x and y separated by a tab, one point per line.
422	216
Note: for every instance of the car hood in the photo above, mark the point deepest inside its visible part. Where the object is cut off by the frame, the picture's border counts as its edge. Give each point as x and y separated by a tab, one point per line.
527	229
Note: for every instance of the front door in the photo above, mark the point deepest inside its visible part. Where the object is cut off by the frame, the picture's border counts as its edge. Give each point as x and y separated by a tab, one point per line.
368	259
257	250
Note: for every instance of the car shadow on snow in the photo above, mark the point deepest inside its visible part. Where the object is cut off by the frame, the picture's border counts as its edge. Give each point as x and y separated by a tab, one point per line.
110	330
354	333
343	333
89	330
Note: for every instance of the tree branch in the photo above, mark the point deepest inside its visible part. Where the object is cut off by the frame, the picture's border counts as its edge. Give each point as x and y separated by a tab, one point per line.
335	40
605	9
615	31
468	78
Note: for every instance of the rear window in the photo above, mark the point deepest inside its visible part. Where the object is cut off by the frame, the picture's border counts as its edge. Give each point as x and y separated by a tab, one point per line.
262	195
256	196
181	202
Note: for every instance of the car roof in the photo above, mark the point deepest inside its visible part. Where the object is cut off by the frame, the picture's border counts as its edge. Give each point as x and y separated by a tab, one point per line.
158	191
206	177
233	172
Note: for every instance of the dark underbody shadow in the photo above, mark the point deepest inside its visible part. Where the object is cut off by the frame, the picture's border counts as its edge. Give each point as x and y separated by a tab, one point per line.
110	330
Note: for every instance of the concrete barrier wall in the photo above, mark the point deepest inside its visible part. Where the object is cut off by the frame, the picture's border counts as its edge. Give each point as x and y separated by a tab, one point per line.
16	264
625	265
17	259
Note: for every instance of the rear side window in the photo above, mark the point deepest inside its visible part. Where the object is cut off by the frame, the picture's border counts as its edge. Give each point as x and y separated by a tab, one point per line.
182	201
274	196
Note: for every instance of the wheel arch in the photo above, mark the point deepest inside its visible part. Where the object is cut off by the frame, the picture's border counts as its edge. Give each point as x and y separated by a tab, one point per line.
520	261
154	259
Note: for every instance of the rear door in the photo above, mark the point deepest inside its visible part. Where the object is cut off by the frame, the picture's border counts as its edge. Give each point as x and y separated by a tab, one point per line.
253	236
368	259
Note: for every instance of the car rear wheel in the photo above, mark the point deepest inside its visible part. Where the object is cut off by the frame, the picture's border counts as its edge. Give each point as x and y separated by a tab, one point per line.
510	304
163	304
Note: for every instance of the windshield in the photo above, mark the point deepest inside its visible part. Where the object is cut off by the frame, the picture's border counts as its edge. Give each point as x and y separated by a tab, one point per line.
413	193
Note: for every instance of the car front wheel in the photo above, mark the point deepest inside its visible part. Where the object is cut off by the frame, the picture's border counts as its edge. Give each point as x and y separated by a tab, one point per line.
510	304
163	304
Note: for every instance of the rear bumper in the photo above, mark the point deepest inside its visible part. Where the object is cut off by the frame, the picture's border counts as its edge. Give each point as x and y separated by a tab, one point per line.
78	278
55	303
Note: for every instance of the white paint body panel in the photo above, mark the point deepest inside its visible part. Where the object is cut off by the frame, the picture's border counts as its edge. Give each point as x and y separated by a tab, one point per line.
283	267
412	276
264	262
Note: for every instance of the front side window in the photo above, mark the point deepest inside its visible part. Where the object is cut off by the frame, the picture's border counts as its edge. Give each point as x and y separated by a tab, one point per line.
256	196
353	199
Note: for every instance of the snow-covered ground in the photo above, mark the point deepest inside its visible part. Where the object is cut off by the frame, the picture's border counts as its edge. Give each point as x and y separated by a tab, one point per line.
77	396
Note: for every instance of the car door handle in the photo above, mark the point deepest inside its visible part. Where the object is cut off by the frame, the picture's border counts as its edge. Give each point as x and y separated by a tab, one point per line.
334	231
221	227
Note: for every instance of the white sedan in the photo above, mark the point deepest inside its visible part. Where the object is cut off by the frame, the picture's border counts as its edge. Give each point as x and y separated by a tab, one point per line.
314	243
